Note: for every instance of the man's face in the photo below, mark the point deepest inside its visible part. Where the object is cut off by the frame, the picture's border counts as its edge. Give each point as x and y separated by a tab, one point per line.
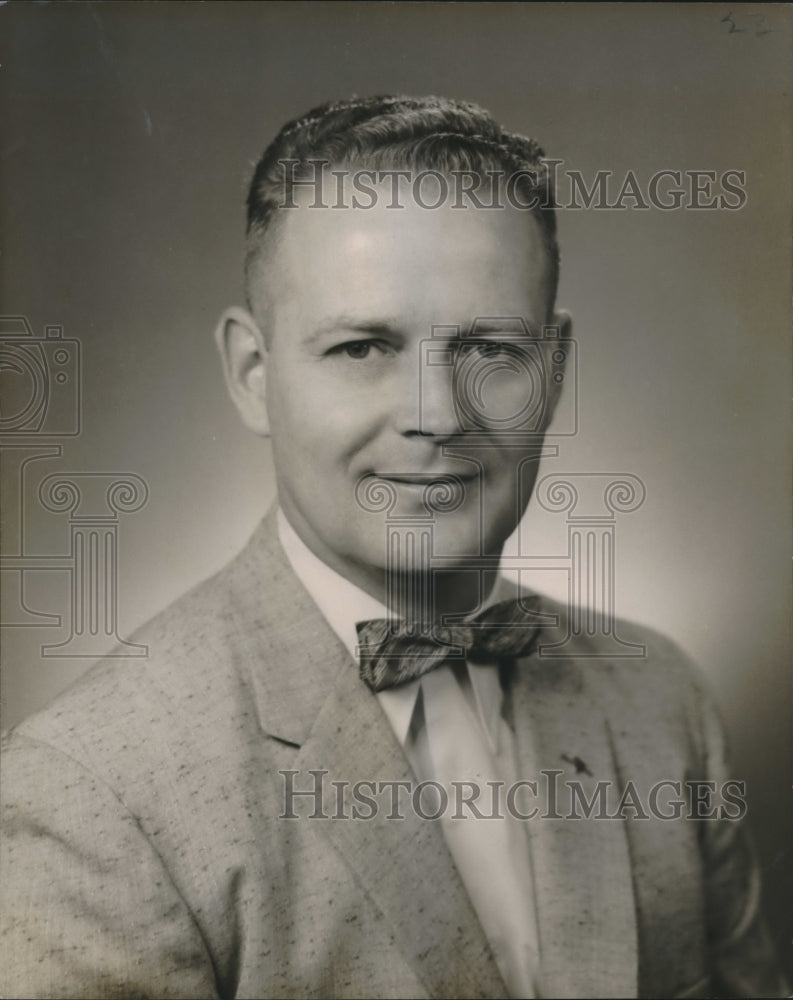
347	300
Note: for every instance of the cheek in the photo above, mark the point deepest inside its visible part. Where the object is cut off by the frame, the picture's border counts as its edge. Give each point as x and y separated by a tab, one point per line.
508	480
333	418
313	430
293	405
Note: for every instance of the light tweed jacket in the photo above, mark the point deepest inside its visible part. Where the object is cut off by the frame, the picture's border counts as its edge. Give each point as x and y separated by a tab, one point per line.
143	855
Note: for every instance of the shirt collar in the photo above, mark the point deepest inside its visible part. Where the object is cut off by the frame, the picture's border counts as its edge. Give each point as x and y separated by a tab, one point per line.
341	602
344	605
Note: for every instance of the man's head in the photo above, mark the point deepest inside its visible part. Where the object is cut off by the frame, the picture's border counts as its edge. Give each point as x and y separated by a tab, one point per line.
396	133
397	348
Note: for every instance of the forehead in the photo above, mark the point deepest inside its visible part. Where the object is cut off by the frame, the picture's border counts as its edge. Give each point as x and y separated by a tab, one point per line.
405	260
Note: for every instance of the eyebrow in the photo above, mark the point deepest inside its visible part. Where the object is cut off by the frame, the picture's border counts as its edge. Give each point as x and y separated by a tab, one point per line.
390	327
379	327
502	324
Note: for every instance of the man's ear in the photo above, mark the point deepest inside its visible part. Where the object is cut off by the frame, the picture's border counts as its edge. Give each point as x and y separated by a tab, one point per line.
243	354
563	320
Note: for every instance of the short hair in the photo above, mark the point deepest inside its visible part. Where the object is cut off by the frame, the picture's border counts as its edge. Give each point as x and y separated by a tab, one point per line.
402	133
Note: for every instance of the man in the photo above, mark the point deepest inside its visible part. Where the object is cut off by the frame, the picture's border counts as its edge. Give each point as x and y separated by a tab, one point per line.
249	813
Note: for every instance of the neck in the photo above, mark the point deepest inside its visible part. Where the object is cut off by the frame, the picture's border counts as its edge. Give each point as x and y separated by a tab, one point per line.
457	592
414	592
425	595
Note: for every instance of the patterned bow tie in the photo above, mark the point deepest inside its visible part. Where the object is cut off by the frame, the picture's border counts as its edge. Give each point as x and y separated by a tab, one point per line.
393	652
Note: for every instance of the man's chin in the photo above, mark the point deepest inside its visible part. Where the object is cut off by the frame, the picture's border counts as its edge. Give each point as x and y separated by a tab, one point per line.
418	546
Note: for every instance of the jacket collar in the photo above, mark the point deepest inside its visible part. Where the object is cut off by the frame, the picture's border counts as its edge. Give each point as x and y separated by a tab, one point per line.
288	653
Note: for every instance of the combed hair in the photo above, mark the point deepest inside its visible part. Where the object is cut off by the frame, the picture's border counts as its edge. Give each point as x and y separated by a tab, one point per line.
401	133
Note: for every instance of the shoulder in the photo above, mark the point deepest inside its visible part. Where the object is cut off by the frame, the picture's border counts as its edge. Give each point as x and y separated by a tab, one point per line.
164	702
641	680
184	632
617	651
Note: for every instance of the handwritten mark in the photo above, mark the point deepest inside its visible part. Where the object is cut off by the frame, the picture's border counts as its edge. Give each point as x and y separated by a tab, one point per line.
760	25
578	764
733	26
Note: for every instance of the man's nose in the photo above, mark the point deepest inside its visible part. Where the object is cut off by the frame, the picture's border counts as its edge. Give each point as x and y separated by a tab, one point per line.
429	406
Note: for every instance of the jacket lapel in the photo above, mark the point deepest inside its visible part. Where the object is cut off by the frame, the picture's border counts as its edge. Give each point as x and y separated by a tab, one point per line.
308	693
582	868
402	864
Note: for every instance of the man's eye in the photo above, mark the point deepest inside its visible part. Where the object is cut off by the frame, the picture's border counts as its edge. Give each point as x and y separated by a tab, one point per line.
487	348
357	349
493	349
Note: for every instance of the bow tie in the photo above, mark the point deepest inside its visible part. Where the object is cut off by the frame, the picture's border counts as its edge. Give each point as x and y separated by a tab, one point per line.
393	652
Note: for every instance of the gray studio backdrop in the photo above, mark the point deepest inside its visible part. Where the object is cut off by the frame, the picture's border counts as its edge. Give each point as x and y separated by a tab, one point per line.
129	131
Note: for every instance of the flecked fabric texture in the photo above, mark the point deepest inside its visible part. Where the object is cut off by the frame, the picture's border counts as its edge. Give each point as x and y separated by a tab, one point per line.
143	854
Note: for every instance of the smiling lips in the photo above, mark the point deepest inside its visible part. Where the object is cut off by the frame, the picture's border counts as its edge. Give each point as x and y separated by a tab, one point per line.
425	478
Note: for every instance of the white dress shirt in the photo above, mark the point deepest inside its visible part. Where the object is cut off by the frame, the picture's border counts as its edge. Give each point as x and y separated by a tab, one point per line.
450	725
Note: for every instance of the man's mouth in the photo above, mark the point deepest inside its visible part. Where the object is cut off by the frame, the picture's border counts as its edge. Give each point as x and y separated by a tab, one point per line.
426	478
